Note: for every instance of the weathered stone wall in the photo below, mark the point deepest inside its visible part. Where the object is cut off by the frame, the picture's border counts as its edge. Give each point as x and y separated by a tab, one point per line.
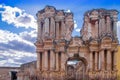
27	71
54	24
5	72
98	23
96	48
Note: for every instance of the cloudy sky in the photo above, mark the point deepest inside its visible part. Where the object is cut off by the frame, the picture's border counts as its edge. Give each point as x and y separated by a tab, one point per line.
18	25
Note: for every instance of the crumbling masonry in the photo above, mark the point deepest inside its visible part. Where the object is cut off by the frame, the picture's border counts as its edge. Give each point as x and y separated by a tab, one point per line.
94	51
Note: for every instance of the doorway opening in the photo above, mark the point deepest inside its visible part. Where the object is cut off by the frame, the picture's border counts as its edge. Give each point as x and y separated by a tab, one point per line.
13	75
76	68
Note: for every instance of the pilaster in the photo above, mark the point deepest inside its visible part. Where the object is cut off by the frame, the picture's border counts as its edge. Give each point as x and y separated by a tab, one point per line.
109	60
46	60
63	29
57	30
52	25
47	26
115	27
62	61
38	61
108	24
91	61
57	62
52	60
39	30
102	60
102	25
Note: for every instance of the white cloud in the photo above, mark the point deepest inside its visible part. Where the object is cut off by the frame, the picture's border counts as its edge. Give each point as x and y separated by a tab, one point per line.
14	58
6	37
9	62
118	30
77	30
75	25
18	54
72	62
0	6
18	17
29	36
17	47
68	11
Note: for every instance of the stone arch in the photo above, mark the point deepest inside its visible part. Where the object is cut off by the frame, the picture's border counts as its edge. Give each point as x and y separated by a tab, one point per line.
78	68
77	57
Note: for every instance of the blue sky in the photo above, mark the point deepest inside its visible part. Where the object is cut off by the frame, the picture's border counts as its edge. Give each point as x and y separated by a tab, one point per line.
18	24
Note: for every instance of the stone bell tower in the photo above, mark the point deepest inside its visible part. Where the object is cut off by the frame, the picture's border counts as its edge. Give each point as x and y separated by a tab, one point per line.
54	29
99	32
54	24
91	56
95	50
99	22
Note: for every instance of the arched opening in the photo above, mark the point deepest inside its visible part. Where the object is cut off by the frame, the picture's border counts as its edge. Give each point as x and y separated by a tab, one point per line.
76	68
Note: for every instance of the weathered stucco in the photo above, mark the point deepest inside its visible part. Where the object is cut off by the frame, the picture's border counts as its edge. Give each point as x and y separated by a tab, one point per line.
95	49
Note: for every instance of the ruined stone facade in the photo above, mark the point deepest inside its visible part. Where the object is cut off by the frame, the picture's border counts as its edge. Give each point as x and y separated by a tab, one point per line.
92	56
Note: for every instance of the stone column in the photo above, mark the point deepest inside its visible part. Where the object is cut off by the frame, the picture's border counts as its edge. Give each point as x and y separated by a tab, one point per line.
91	61
43	32
52	26
108	24
103	25
57	30
46	60
39	30
102	60
46	25
109	60
96	60
38	61
57	62
89	30
52	60
100	29
115	27
99	61
96	29
63	29
62	61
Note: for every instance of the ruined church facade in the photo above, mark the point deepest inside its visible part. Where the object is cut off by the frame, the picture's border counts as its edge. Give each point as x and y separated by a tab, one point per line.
92	56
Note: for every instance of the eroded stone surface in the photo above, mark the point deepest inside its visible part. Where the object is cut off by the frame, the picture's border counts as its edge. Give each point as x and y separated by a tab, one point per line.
96	47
